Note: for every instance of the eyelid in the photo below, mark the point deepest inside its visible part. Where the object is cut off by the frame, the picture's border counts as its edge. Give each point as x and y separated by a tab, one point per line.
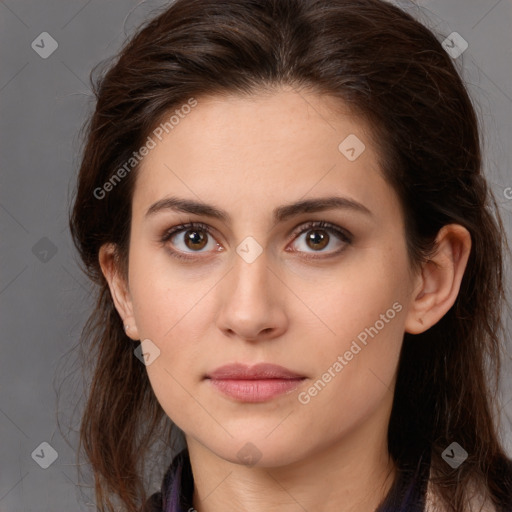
179	228
344	235
340	232
321	224
182	227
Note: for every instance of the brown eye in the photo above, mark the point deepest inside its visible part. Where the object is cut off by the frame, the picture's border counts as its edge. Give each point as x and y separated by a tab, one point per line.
195	239
186	239
318	236
317	239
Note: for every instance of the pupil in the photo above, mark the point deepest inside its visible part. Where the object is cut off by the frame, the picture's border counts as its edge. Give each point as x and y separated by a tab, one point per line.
317	238
195	237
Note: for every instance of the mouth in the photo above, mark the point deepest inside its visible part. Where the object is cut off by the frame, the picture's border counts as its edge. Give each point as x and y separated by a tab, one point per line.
258	383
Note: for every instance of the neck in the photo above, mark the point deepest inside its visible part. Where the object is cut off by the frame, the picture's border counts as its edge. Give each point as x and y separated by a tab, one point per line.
352	475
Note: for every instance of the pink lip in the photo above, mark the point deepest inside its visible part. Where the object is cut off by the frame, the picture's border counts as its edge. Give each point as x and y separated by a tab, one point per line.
257	383
238	371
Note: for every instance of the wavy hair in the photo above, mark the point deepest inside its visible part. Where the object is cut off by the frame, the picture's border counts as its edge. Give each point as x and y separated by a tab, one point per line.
393	72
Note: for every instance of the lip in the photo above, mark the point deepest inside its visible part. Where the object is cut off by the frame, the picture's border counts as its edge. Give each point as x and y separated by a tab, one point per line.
238	371
257	383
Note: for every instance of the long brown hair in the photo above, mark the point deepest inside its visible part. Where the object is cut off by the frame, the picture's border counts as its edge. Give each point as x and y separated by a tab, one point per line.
394	73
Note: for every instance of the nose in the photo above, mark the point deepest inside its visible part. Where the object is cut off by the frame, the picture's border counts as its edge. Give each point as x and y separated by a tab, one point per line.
252	301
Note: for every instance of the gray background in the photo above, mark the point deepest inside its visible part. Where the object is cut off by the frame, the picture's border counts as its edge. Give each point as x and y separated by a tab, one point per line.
44	297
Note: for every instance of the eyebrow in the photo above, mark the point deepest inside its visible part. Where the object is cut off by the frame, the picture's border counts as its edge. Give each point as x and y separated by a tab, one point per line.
279	214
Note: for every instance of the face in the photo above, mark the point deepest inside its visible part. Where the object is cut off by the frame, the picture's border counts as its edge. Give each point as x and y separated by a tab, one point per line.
321	292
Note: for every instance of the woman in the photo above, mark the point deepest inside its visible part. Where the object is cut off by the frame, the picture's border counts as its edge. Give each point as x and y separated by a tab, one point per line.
323	334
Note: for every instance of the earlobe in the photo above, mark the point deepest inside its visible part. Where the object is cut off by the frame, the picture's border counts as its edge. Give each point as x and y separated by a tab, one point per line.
440	279
118	288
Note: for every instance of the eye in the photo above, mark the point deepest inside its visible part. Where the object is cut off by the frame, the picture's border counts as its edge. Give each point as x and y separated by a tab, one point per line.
198	236
317	238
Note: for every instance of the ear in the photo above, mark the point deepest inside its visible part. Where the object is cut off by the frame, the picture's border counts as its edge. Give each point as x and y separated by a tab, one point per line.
438	284
118	288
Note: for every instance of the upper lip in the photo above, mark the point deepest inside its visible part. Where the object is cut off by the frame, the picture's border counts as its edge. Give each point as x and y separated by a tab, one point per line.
238	371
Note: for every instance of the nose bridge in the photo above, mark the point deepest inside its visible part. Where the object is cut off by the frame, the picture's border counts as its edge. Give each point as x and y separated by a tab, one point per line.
250	258
252	277
249	305
250	274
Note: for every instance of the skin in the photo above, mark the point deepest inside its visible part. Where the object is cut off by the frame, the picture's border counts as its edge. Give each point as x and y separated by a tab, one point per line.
247	156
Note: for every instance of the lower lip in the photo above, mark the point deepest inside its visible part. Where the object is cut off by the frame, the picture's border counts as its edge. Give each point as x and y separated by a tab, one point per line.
255	390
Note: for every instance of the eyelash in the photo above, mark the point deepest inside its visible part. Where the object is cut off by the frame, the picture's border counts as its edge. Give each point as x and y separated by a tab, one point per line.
304	228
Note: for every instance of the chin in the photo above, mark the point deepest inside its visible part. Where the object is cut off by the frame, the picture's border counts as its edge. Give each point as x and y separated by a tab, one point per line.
256	451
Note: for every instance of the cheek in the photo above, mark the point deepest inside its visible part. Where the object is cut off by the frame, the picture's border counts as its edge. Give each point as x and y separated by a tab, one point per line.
160	293
168	311
355	368
364	336
364	307
367	289
171	308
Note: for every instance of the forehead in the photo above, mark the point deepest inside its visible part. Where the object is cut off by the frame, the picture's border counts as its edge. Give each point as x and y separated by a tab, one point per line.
252	151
